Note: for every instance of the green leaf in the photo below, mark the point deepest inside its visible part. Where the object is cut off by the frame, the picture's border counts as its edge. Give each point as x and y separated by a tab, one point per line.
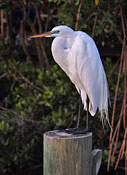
2	124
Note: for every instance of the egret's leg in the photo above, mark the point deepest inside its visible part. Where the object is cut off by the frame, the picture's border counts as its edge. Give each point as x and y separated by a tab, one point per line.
79	113
72	130
87	116
77	130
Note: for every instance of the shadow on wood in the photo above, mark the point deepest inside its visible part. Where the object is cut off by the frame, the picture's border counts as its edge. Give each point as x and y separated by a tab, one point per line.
67	154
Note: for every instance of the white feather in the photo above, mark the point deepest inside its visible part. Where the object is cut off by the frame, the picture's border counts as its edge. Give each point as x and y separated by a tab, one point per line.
76	53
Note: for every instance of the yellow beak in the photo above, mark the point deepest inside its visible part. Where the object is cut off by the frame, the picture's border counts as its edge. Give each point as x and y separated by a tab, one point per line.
41	35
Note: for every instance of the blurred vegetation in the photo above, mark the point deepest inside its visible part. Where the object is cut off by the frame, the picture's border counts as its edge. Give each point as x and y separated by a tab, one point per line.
34	101
36	95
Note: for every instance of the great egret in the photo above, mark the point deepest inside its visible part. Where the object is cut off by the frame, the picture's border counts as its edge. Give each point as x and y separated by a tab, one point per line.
76	53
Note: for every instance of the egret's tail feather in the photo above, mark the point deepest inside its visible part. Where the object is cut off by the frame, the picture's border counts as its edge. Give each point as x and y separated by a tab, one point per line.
104	117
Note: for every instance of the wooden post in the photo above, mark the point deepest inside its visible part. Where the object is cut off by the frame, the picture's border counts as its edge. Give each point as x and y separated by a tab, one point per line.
66	154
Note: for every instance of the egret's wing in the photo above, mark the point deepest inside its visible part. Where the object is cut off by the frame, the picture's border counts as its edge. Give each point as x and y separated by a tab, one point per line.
90	73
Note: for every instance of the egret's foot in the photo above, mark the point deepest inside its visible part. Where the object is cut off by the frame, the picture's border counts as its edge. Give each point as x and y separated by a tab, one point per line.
71	130
76	131
81	131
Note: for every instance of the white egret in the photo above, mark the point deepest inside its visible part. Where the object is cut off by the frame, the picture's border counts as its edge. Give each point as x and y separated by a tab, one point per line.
76	53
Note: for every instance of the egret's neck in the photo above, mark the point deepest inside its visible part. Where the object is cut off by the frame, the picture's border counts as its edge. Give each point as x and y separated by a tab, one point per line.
63	44
70	41
60	49
58	46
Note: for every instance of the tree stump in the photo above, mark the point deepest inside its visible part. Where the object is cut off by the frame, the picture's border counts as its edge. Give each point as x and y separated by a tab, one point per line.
67	154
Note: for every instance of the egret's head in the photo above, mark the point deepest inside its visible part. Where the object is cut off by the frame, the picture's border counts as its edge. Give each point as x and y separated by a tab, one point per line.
63	31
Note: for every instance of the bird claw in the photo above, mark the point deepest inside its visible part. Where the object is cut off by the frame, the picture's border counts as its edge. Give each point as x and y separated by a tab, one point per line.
71	130
83	131
76	131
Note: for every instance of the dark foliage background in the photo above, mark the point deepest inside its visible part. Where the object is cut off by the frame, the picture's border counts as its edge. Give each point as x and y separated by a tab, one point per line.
36	95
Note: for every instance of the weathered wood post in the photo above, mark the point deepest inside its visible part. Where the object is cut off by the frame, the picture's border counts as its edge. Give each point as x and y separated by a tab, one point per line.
66	154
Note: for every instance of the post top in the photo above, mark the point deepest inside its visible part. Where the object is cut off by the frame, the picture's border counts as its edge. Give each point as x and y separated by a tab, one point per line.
62	134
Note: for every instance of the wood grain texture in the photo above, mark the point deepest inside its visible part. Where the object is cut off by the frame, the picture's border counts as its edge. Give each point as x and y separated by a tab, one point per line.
67	154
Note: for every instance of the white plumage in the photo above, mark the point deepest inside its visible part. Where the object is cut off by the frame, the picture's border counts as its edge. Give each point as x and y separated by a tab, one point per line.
76	53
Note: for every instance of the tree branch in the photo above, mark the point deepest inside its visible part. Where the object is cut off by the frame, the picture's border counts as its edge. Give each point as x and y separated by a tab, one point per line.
78	15
27	81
